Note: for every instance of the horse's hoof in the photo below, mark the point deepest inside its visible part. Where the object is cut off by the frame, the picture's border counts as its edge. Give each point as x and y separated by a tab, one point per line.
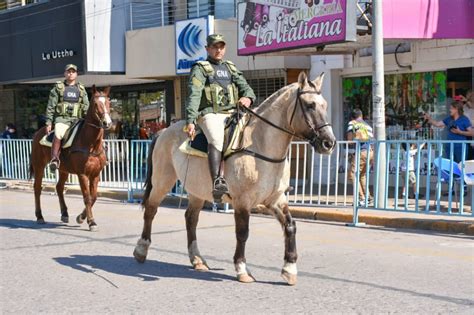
245	278
141	250
40	221
79	219
65	219
291	279
201	267
139	257
93	227
199	264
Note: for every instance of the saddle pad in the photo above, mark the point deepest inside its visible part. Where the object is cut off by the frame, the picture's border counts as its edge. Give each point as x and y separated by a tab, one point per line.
198	147
47	140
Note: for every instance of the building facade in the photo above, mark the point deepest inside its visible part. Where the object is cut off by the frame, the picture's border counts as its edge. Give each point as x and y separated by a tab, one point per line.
127	44
131	45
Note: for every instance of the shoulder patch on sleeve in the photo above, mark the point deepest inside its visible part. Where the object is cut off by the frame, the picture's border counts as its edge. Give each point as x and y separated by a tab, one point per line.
196	82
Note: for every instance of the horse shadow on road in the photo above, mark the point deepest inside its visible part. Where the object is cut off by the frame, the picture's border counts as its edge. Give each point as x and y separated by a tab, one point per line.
151	270
28	224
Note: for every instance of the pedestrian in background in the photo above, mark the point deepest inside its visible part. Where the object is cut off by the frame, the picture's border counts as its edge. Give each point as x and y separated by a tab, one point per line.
10	132
409	170
359	129
459	128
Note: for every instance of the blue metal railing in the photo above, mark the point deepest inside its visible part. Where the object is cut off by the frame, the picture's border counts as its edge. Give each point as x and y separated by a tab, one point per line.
138	167
318	180
415	166
15	161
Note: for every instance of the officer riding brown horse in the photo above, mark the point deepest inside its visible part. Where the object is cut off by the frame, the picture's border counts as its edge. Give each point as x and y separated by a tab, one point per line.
67	102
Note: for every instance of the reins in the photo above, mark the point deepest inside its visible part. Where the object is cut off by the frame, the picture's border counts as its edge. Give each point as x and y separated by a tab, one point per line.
311	140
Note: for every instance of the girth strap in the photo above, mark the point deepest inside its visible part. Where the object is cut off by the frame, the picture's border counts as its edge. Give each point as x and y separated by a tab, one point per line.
257	155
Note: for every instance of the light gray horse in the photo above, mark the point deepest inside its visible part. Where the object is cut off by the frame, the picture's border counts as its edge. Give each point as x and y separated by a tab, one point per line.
257	176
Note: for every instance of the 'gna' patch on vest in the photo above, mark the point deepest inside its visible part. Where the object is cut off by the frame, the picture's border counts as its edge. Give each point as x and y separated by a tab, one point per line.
71	94
222	74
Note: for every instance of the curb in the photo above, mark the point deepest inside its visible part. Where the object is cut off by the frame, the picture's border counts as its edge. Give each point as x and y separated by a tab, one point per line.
403	223
443	226
399	223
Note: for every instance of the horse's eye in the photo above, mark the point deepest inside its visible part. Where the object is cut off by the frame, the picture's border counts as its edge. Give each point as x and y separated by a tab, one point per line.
310	106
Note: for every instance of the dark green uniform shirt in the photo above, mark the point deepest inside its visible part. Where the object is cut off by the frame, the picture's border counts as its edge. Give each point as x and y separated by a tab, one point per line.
52	114
198	105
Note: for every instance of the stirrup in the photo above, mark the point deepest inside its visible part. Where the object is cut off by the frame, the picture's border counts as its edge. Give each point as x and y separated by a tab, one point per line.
54	165
220	185
219	189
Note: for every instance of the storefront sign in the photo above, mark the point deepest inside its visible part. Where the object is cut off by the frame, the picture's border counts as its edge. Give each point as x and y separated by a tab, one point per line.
57	54
272	25
430	20
29	52
190	37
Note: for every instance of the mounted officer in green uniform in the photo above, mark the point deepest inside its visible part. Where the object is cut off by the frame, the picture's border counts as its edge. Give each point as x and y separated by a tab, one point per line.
215	89
67	103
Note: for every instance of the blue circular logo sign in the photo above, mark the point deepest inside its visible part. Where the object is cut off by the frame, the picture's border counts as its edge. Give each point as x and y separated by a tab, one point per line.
188	39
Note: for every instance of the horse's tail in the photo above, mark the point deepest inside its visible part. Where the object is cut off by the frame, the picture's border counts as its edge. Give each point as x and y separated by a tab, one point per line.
148	186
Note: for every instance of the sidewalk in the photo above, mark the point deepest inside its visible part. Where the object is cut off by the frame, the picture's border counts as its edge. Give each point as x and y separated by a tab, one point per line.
397	220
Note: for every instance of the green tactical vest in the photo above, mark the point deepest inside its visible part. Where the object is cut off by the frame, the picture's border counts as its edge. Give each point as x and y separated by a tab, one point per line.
214	91
69	109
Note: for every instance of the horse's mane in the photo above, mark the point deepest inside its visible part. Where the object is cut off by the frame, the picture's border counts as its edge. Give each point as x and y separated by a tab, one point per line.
269	101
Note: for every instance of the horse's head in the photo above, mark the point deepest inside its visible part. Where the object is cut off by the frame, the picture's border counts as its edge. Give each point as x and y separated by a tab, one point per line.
100	107
309	115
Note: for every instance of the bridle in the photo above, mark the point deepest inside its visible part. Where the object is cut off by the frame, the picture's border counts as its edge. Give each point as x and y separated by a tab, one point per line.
312	139
315	129
99	117
96	114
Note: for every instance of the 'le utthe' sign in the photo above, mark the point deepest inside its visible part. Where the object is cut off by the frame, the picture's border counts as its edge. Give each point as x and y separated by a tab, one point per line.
57	54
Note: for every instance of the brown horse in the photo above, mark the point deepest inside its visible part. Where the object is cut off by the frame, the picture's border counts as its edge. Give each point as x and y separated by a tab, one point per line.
258	175
85	157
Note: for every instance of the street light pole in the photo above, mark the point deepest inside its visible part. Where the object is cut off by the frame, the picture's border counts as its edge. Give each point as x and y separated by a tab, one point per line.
378	99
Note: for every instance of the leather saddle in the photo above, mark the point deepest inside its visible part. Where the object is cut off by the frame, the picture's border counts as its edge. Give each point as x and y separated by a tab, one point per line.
68	139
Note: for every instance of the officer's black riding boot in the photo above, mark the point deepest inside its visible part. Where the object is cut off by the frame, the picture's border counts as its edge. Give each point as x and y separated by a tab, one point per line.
218	182
55	148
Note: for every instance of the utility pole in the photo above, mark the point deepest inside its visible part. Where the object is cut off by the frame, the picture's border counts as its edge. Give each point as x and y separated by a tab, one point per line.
378	99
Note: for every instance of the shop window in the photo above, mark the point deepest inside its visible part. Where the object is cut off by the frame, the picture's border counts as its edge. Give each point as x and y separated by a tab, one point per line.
407	97
221	9
12	4
152	113
460	81
265	82
30	109
150	13
137	114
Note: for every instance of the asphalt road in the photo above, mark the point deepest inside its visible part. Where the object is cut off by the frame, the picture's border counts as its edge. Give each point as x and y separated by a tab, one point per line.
64	268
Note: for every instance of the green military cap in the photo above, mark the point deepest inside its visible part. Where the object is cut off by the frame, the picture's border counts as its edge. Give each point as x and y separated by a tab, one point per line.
214	39
70	66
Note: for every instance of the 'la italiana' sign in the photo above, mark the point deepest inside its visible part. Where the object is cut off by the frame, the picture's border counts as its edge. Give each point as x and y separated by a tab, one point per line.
273	25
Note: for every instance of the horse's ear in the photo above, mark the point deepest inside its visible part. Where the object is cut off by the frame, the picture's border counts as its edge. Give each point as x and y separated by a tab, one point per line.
302	79
318	82
94	89
107	90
